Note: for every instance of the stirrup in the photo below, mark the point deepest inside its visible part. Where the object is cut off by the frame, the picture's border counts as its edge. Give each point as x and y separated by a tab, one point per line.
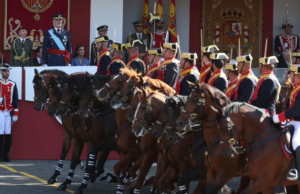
292	175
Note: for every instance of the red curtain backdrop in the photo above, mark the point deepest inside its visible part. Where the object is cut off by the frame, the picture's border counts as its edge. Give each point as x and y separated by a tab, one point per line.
35	15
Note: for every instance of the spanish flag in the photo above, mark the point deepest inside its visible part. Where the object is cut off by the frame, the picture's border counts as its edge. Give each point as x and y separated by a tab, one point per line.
172	22
146	17
160	11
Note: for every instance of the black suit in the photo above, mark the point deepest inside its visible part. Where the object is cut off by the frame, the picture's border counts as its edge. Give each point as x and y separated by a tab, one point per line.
36	63
282	64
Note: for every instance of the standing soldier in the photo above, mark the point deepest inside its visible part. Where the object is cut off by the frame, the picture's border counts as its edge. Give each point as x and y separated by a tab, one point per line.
104	58
206	62
154	57
233	77
21	50
134	61
116	51
8	110
268	87
218	78
138	35
160	36
57	47
189	73
102	30
168	70
247	81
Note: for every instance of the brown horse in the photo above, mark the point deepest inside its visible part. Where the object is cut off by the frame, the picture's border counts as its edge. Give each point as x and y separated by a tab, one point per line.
41	90
198	108
260	135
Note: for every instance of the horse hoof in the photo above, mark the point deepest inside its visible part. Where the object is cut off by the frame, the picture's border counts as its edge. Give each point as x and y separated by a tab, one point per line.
93	177
114	179
51	181
78	192
62	187
130	190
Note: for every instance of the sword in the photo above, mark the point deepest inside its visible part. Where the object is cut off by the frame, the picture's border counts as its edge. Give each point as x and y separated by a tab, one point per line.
1	75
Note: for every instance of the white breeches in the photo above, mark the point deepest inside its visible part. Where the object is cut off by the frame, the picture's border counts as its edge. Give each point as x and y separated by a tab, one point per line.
5	122
296	137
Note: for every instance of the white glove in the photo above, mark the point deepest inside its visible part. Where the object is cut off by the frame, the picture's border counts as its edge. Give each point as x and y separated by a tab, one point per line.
285	45
276	119
69	64
153	42
14	118
44	65
1	99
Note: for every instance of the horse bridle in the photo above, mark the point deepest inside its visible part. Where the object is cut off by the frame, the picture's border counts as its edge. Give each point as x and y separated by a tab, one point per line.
90	104
233	143
147	111
112	91
71	104
43	98
124	98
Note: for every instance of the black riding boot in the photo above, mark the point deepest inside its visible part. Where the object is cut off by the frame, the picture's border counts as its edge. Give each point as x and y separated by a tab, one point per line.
7	145
1	148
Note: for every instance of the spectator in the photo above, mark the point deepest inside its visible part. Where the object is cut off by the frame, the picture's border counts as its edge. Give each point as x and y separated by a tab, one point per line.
78	58
38	60
285	61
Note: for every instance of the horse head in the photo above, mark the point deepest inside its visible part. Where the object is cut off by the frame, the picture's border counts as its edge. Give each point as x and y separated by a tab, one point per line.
40	91
131	108
55	93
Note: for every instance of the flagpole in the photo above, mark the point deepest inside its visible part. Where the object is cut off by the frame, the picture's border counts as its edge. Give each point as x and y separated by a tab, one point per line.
154	12
1	75
266	45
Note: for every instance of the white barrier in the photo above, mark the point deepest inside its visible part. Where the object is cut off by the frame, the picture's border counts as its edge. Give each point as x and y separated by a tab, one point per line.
29	74
16	76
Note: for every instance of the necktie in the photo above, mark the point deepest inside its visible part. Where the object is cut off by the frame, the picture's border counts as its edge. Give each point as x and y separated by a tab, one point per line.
58	30
140	36
23	42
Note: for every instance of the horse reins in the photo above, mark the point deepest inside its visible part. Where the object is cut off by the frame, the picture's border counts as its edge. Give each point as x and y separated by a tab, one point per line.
43	98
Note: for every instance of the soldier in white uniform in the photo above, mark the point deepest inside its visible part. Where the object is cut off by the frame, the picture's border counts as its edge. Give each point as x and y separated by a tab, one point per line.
8	110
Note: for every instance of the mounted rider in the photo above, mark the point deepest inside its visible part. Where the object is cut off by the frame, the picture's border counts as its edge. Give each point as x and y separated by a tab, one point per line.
169	68
206	62
268	87
247	81
189	73
293	114
116	51
134	61
154	57
218	78
233	77
104	58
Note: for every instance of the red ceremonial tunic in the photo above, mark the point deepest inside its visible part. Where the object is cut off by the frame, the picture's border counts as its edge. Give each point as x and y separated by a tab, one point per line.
243	76
162	68
182	75
204	72
214	76
7	94
231	88
152	69
160	39
290	40
100	56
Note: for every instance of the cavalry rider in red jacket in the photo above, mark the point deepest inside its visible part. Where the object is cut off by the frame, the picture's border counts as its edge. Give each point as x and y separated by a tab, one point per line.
206	62
293	114
154	57
233	77
8	110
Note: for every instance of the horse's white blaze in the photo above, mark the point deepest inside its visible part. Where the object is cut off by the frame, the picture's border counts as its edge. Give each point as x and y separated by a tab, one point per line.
115	77
135	91
138	106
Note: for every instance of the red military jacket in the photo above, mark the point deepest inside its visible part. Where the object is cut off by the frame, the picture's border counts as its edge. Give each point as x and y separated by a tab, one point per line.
9	93
160	39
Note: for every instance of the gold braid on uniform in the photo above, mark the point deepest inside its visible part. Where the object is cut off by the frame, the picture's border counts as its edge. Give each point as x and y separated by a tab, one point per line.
23	52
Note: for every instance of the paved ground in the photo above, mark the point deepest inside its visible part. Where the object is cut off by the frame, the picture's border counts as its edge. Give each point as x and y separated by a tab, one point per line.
30	177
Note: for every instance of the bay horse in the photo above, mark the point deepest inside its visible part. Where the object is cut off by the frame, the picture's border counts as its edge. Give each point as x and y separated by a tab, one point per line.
41	94
267	164
128	92
198	108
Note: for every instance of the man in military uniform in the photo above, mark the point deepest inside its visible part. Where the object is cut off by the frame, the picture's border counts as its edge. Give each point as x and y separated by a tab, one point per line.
287	40
160	36
206	62
138	35
247	81
233	77
154	57
293	114
189	73
116	51
268	87
134	61
21	50
169	68
218	78
57	47
8	110
102	30
104	58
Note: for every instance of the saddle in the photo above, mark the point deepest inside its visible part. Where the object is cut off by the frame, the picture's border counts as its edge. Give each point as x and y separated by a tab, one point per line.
286	139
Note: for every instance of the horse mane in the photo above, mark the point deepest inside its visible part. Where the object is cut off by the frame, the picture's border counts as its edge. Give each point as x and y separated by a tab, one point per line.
160	86
235	107
49	71
103	78
216	94
129	72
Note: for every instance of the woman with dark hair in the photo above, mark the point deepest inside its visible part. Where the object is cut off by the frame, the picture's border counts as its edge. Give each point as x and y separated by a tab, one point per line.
78	57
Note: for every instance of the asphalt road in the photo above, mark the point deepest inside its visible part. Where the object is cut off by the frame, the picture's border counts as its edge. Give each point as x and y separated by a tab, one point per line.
30	177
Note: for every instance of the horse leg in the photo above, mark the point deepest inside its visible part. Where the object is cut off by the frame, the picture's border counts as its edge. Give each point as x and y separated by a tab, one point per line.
109	177
293	189
257	186
65	149
201	187
168	179
137	165
220	183
268	191
161	168
148	159
77	150
245	180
